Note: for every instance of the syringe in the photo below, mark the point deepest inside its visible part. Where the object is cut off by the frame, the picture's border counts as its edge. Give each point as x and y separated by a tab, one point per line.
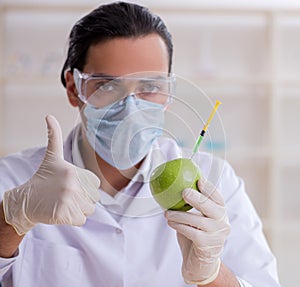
200	138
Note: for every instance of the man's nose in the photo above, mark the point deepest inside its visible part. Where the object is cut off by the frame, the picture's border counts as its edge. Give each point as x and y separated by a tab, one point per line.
128	97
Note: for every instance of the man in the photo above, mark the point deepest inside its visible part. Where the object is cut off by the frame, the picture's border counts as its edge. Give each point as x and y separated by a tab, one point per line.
62	226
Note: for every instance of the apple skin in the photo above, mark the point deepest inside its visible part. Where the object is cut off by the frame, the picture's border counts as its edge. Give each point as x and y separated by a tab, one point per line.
168	181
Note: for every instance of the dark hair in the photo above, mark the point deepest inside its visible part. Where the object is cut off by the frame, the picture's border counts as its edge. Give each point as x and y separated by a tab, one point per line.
119	19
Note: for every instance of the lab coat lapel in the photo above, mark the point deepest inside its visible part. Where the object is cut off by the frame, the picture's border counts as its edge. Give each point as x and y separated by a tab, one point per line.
102	216
143	204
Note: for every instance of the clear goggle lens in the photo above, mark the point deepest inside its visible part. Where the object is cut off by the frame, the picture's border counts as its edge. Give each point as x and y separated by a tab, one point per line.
101	91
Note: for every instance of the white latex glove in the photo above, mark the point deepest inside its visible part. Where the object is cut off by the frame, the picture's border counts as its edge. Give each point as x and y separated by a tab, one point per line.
58	193
201	235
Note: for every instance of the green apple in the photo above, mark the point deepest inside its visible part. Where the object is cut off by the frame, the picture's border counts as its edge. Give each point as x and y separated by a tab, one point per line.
169	179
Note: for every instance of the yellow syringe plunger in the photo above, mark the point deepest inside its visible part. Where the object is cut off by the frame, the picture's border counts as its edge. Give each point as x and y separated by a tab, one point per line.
212	114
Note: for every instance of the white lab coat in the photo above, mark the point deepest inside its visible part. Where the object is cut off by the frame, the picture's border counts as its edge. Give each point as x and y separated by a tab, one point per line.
138	249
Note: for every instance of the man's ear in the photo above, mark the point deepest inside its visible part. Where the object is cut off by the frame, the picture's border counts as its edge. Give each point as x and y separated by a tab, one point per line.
71	90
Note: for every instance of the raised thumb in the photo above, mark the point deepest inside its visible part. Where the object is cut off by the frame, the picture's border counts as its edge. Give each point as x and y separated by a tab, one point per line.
55	140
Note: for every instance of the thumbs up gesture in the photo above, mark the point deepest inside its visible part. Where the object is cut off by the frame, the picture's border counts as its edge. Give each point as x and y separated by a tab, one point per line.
58	193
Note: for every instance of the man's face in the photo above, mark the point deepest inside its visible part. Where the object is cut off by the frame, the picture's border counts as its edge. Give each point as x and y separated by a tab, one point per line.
122	56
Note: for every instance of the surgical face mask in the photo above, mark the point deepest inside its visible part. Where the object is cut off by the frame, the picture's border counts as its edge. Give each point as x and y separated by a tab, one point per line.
122	133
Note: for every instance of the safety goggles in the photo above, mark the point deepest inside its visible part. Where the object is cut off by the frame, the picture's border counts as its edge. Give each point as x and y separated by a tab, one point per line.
100	91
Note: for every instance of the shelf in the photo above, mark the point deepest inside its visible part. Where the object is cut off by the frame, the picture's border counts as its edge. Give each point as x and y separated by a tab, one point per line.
291	226
282	226
289	94
25	126
32	54
54	5
290	197
291	80
249	153
287	158
290	157
36	93
289	136
170	5
287	250
29	80
289	45
229	80
205	81
254	171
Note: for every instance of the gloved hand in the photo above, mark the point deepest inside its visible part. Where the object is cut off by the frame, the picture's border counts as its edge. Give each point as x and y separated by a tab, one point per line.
58	193
201	235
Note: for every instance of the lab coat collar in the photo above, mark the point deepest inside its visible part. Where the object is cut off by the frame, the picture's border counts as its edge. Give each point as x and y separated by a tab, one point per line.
155	157
142	203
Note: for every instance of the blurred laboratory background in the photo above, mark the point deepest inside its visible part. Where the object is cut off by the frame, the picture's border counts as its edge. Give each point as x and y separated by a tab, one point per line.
244	53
